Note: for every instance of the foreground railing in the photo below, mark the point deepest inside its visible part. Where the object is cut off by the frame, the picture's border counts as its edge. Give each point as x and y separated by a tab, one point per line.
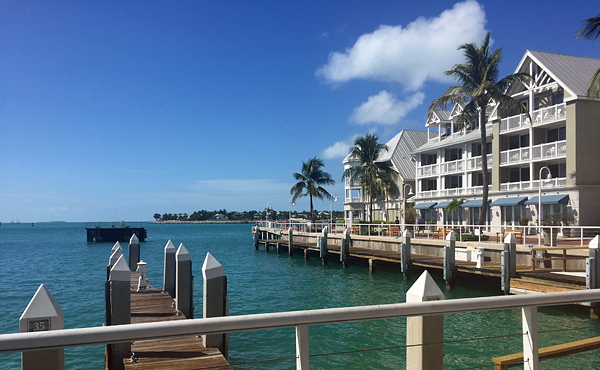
300	320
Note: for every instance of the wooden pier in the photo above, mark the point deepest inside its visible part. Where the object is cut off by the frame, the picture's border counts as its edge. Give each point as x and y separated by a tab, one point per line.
183	353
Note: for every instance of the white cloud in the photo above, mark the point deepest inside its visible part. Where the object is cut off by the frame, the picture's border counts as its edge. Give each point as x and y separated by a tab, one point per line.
421	51
338	150
385	109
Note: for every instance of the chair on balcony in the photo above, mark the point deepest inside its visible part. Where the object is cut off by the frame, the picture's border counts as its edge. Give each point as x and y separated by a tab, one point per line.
551	152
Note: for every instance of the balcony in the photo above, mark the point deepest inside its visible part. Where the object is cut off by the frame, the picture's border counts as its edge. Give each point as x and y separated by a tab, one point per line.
549	150
426	171
460	165
515	156
559	182
473	190
354	200
542	116
452	166
474	163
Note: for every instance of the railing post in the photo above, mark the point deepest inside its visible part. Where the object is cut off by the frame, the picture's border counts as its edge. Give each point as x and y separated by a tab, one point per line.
592	270
510	246
405	256
530	338
184	283
169	269
120	311
42	314
449	260
134	252
425	334
214	301
302	359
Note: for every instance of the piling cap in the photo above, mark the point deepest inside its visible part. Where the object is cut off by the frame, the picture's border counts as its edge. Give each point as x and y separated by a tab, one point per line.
115	256
43	305
451	236
595	243
134	239
120	271
324	232
407	234
182	254
141	267
510	239
211	268
116	246
170	248
424	289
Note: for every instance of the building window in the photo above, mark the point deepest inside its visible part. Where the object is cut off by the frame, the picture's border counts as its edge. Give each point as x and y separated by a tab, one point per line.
429	215
453	182
556	134
427	159
453	154
511	214
427	185
476	149
558	97
477	179
558	170
518	141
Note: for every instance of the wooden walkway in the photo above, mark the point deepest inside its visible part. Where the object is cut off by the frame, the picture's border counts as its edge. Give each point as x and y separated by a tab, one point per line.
183	353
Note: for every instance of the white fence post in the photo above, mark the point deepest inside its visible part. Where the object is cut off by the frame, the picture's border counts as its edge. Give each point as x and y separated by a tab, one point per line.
302	358
214	300
169	269
530	338
134	252
184	295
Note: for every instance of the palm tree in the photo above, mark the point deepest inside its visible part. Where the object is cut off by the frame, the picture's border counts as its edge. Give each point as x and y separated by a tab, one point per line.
454	206
591	30
309	182
366	152
479	86
387	185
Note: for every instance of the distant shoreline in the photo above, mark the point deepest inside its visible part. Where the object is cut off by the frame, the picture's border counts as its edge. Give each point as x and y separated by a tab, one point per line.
204	222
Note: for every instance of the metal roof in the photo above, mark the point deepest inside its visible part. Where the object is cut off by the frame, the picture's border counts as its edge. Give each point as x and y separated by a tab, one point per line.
448	141
549	199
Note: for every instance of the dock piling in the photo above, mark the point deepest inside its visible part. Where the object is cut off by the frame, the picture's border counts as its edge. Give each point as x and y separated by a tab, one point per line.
184	295
43	313
449	260
505	271
134	252
405	257
215	301
169	269
592	275
372	266
120	311
322	245
510	246
290	240
345	248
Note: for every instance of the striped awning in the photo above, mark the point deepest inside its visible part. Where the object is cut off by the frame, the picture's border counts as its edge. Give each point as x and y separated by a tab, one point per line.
514	201
549	199
425	205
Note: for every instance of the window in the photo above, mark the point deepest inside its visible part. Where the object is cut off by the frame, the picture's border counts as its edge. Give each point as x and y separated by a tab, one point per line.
347	193
518	174
477	179
476	149
453	182
429	184
556	134
429	215
427	159
558	170
558	97
536	103
453	154
355	193
518	141
511	214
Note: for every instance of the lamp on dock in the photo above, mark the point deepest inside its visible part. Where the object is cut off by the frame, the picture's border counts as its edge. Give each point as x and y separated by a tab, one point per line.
540	201
410	194
334	198
292	203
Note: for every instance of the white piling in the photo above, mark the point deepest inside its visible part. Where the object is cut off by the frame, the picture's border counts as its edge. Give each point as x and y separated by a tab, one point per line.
120	311
134	252
405	255
425	334
184	301
42	314
510	246
142	269
214	300
169	269
449	260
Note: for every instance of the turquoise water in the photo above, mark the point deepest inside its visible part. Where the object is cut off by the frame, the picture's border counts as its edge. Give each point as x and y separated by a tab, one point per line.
74	272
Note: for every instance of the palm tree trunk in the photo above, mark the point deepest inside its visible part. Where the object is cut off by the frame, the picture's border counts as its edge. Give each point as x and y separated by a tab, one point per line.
312	214
484	166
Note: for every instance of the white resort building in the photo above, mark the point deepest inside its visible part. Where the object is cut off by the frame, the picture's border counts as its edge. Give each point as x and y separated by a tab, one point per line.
386	208
557	149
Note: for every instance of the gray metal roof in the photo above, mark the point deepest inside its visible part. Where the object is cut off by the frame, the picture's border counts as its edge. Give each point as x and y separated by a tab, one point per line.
573	73
470	136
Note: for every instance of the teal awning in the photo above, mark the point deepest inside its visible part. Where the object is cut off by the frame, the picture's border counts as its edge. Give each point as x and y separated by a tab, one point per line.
514	201
426	205
441	205
549	199
473	203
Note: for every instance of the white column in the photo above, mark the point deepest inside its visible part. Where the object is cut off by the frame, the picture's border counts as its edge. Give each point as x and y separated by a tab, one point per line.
302	359
530	338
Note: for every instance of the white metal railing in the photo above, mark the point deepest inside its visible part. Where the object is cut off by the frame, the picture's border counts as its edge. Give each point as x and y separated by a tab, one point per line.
428	170
514	123
452	166
541	116
515	156
475	163
550	150
559	182
301	320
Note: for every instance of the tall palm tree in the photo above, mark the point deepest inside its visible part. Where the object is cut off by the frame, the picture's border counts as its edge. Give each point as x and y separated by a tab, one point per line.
454	207
591	30
366	152
479	86
309	182
387	185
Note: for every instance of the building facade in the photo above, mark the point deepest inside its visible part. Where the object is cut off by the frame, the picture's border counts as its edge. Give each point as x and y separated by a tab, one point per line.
554	147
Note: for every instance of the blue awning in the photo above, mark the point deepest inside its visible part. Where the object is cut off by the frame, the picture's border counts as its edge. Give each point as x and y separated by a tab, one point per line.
441	205
426	205
515	201
473	203
549	199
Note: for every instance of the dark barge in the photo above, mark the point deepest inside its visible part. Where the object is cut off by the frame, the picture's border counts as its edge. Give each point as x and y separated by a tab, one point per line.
108	232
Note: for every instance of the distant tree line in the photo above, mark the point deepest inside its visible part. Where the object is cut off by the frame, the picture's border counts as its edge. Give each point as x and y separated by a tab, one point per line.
269	214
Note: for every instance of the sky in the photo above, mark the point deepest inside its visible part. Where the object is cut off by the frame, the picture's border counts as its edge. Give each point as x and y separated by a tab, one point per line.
116	110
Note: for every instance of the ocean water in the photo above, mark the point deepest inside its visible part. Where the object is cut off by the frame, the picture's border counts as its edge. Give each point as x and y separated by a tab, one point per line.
57	254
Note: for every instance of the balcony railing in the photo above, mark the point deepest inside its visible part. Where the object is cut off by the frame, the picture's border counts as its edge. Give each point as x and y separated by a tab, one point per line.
429	170
452	166
515	156
474	163
559	182
460	165
541	116
452	192
354	200
550	150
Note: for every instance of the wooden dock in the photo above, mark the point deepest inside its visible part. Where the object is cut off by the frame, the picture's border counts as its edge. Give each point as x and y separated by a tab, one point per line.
183	353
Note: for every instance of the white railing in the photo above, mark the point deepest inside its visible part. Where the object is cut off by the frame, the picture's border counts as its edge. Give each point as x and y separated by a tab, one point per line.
514	123
428	170
559	182
474	163
354	200
452	166
301	320
515	156
550	150
541	116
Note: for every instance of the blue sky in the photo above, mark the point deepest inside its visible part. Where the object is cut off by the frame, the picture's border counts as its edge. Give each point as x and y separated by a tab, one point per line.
116	110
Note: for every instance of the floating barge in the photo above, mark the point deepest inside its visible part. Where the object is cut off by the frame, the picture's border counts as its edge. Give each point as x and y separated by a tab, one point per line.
110	232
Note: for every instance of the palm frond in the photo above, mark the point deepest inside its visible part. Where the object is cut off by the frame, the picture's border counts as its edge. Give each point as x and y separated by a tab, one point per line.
594	89
591	28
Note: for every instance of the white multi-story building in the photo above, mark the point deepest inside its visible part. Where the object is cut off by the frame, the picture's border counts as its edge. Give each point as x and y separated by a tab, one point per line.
389	207
562	138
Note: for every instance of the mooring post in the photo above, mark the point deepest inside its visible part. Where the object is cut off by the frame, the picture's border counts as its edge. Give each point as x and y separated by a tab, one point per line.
510	246
290	240
592	270
277	247
505	271
255	237
449	260
372	266
169	269
405	257
116	246
42	314
306	254
345	248
184	298
134	252
116	253
215	301
530	338
142	269
323	245
120	311
425	334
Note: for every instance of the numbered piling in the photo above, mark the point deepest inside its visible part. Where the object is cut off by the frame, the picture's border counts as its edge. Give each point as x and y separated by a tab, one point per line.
449	260
290	240
510	246
134	252
405	255
215	301
169	269
592	277
184	301
43	313
120	311
425	334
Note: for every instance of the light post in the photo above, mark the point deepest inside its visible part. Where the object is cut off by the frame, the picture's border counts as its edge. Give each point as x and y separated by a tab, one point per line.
540	202
334	198
410	193
292	203
267	209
